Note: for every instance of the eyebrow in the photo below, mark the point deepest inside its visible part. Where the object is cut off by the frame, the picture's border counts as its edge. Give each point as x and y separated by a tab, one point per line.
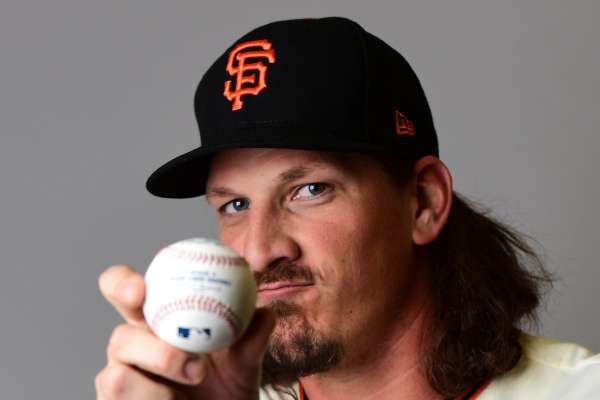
286	176
219	191
294	173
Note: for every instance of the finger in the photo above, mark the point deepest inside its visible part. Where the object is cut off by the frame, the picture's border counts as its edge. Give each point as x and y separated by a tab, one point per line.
125	289
119	381
137	346
250	348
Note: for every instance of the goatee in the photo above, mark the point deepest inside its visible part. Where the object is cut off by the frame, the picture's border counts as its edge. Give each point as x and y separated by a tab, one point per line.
296	349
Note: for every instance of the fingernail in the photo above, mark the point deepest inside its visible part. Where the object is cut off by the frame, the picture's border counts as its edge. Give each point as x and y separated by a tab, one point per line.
194	369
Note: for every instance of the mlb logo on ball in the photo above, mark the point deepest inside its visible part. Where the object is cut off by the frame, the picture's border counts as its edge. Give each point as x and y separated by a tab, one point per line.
184	332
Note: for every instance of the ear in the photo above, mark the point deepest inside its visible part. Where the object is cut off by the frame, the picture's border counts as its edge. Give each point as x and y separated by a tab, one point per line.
433	199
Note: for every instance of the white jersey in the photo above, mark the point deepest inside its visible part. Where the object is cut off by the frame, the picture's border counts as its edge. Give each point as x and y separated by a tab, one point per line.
548	370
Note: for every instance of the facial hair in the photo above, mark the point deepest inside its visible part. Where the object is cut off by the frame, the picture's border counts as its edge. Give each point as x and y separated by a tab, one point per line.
295	349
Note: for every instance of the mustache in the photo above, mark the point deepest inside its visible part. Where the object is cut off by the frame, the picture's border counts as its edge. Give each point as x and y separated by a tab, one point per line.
283	272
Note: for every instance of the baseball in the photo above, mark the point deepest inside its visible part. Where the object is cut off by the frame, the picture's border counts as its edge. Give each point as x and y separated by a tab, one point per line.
200	295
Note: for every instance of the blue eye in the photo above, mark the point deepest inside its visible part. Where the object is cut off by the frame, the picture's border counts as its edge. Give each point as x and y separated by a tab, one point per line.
311	190
235	206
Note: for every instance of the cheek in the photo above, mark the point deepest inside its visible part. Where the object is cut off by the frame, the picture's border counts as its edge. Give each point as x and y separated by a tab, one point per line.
338	250
365	254
322	245
232	237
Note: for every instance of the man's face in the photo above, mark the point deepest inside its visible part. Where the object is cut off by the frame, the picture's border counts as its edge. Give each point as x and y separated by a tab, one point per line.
329	240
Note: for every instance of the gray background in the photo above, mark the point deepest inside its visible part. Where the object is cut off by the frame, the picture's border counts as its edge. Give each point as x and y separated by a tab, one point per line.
95	95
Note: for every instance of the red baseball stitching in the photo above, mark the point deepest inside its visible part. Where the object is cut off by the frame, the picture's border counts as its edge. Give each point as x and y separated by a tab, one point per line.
205	258
198	303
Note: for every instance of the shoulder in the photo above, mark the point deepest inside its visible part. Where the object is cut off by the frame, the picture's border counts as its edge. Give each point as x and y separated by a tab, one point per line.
549	369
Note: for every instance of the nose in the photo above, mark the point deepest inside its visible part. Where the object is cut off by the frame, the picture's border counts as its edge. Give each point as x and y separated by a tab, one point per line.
268	240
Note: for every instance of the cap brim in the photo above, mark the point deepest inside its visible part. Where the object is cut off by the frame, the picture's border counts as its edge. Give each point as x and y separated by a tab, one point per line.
182	177
185	176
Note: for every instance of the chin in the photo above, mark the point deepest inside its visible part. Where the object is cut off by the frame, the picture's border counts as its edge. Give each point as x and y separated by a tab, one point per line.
296	349
288	328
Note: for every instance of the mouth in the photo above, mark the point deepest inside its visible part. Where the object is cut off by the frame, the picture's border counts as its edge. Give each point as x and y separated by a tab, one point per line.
279	289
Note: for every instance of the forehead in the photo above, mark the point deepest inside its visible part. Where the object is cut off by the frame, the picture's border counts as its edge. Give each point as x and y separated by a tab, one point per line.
243	163
234	156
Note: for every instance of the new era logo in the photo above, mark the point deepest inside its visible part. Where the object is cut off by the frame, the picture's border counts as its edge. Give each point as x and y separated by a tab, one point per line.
403	125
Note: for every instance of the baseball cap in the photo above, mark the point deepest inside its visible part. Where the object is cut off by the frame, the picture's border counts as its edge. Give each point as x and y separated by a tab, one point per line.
314	84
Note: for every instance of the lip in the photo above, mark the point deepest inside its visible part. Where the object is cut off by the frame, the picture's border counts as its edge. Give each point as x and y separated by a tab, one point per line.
276	289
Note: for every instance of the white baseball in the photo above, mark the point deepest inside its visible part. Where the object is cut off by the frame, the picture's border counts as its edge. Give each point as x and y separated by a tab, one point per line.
200	295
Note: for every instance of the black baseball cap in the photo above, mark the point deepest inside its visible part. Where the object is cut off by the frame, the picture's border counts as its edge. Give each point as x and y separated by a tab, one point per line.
316	84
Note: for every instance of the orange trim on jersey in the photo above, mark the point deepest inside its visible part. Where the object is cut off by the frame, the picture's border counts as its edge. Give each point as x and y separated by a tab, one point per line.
301	392
479	390
473	396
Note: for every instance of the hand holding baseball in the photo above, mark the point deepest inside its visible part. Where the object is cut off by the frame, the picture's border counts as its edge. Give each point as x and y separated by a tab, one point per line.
141	365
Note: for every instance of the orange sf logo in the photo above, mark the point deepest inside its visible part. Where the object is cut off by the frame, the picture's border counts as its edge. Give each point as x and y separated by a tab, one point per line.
239	71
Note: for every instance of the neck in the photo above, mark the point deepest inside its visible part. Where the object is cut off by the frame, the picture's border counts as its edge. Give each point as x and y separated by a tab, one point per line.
391	372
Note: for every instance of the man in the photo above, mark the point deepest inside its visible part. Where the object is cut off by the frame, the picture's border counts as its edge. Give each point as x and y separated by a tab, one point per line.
376	280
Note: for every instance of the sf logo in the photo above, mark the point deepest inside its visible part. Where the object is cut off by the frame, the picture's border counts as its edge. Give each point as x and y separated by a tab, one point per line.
249	76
